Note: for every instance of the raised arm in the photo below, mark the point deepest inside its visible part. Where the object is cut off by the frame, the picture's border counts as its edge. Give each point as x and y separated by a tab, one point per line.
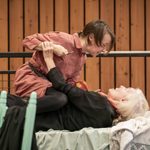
42	42
33	41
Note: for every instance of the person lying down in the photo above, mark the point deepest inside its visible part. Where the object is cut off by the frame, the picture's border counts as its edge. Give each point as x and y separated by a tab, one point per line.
82	108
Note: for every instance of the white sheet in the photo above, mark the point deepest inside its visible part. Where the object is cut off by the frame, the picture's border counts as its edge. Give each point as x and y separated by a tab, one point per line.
85	139
131	134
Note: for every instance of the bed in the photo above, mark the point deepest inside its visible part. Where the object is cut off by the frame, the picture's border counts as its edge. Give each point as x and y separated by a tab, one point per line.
133	134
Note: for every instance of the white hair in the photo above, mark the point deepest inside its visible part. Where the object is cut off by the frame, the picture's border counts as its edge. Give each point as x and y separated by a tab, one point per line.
134	104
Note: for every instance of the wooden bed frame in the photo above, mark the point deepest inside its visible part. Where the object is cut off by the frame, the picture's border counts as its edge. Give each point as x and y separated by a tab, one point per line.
29	118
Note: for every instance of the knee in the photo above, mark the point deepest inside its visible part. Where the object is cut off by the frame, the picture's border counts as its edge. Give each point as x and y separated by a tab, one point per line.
62	99
59	97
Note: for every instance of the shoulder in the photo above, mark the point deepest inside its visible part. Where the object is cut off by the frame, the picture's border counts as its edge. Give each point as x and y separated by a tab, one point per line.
59	34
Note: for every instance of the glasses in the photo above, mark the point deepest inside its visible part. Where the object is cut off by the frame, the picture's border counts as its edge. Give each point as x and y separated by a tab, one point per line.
106	46
105	49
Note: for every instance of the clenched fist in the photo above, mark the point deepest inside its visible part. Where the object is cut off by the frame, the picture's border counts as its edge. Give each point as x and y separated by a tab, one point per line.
57	49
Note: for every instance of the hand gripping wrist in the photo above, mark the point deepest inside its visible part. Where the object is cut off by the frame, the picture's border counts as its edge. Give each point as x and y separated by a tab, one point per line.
46	45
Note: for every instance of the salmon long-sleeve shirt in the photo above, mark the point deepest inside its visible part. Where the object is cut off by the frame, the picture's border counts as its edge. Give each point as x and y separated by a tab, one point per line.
27	81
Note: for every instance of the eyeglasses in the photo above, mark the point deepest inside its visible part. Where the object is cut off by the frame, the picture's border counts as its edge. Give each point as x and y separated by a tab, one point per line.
105	48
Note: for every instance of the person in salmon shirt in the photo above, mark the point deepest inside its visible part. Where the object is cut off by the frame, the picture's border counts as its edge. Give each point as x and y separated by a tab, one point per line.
69	56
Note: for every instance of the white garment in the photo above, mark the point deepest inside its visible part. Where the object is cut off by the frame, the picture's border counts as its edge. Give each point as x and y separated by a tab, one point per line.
124	132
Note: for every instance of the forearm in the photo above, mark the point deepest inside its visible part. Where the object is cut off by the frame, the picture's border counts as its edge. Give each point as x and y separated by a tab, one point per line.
56	77
77	96
39	41
88	102
58	82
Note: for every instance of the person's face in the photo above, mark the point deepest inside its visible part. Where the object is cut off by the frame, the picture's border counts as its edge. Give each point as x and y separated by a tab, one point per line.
129	102
94	49
119	93
118	98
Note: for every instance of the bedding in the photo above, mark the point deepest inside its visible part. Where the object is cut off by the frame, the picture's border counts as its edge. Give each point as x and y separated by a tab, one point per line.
140	142
85	139
133	134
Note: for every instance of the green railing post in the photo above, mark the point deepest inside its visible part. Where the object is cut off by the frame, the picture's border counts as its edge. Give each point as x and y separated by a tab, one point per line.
29	122
3	107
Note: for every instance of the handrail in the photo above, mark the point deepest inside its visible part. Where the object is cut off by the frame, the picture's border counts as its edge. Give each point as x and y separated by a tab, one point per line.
111	54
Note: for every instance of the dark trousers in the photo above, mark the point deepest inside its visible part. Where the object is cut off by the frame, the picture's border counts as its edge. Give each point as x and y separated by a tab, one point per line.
52	101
